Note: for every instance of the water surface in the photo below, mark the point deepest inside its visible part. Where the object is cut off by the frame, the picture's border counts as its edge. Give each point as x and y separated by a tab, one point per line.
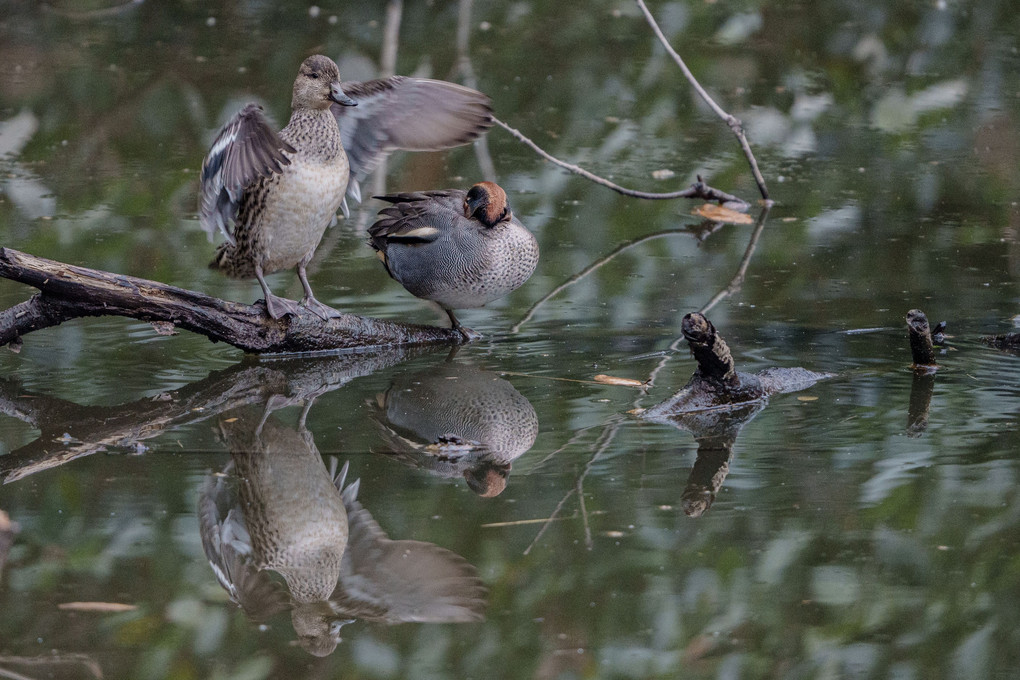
868	526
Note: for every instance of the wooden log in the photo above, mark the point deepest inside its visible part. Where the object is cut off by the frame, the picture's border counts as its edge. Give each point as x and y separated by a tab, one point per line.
70	292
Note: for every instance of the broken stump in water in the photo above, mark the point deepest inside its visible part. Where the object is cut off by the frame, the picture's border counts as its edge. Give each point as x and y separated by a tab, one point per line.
714	406
922	349
717	384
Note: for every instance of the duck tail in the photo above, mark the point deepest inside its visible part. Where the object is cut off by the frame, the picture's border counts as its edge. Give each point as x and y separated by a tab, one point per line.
219	260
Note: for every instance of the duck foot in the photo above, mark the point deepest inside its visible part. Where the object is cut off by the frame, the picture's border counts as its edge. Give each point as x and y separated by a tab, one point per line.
323	311
279	307
468	334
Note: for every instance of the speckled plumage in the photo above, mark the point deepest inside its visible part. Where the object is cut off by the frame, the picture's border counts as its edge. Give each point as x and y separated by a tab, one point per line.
459	249
294	515
276	508
281	191
282	210
456	420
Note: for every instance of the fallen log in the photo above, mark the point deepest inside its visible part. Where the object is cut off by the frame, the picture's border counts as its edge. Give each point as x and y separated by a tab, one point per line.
69	292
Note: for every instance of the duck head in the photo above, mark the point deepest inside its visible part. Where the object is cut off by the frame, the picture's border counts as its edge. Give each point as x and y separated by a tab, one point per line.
318	85
486	202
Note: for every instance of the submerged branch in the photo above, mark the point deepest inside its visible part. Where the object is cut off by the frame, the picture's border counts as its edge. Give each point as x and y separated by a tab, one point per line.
69	292
734	123
697	190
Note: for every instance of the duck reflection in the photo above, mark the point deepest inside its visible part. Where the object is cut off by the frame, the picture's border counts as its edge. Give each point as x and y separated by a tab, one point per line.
276	508
457	421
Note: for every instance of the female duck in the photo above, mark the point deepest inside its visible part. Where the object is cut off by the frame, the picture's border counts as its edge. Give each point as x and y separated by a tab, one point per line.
459	249
281	191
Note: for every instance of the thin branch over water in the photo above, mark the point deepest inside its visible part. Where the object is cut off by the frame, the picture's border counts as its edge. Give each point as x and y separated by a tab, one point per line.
697	190
734	123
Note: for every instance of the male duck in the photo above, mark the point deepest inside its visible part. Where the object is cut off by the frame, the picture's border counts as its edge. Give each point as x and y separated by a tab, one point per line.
459	249
281	190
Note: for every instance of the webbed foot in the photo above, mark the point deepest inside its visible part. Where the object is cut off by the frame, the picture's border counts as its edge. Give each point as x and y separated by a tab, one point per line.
279	307
320	310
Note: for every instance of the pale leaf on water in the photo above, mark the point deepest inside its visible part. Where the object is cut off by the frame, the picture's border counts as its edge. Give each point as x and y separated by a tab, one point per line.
103	607
717	213
613	380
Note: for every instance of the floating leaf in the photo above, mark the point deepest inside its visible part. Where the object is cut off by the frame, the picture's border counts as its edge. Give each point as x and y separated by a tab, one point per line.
807	398
613	380
717	213
104	607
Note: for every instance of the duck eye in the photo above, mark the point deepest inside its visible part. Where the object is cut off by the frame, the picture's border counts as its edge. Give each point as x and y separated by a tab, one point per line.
313	75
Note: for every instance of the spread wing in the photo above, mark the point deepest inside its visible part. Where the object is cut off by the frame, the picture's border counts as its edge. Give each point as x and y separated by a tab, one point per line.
411	114
246	149
416	217
227	546
402	581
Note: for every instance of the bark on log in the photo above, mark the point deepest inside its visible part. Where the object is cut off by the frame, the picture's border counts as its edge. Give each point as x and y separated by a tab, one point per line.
1009	341
70	292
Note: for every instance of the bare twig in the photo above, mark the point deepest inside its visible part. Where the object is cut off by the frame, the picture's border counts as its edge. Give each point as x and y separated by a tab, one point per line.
550	520
733	122
697	190
605	439
732	287
738	278
626	245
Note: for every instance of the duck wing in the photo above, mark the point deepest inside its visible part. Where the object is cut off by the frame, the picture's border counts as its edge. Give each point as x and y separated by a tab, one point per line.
227	546
402	581
417	217
410	114
246	149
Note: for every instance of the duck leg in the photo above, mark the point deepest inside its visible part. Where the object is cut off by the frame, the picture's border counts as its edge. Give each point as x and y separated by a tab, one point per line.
320	310
277	307
468	334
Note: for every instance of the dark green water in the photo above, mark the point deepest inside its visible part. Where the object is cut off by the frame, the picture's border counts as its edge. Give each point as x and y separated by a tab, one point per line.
848	538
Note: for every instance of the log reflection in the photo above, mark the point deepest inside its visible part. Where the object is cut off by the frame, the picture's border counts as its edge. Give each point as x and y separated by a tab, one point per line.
69	431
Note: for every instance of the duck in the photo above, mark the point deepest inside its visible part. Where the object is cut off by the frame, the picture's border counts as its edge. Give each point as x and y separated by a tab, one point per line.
459	249
455	420
272	194
275	507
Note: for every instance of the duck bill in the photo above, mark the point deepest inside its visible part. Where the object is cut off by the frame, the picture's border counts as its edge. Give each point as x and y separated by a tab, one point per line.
337	95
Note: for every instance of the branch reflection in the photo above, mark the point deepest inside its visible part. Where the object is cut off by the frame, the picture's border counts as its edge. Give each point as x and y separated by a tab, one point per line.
69	431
